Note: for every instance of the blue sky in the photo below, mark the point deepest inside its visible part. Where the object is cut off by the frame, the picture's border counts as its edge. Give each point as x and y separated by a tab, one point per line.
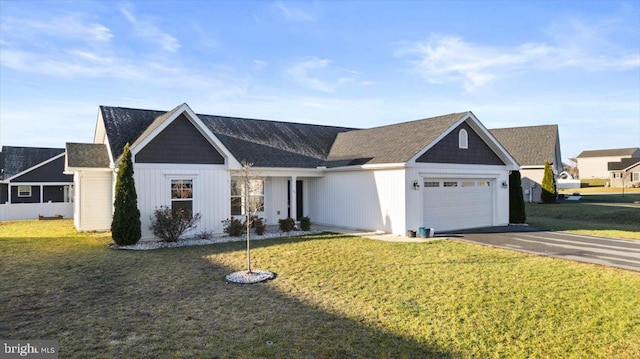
347	63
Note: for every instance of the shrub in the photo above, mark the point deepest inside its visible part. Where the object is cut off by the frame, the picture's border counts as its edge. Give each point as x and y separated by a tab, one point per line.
233	227
517	212
126	226
287	224
259	225
549	193
305	223
169	225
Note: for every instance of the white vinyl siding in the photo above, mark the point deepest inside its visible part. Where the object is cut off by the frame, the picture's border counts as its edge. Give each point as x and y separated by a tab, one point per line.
211	188
95	201
364	199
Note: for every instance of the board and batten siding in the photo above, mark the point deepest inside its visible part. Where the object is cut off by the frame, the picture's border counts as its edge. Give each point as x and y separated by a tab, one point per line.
94	200
422	172
361	199
211	191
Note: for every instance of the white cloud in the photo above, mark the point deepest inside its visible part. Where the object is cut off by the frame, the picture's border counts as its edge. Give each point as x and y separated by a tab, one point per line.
451	59
147	29
293	14
68	25
259	65
309	73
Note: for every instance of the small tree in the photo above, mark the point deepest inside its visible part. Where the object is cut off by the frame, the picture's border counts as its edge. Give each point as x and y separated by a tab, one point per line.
125	227
548	185
517	213
246	178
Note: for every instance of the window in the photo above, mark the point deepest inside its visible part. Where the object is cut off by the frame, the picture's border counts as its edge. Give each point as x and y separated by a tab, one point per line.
484	184
468	184
451	184
432	184
256	197
24	191
463	139
617	175
182	195
635	177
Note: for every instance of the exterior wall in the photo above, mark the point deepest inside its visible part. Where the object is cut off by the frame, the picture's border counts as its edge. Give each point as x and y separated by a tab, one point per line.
4	194
360	199
180	142
211	192
50	172
532	184
94	200
34	198
415	204
275	199
627	181
447	150
596	167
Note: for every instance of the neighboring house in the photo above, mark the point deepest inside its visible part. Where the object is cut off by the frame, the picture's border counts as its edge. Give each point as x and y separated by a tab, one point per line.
531	146
625	173
445	172
32	178
594	164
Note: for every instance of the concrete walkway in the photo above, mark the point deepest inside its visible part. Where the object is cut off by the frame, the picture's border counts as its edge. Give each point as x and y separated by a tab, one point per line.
378	236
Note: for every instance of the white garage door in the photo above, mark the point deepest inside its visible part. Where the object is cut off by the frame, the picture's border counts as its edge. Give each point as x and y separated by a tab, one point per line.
457	203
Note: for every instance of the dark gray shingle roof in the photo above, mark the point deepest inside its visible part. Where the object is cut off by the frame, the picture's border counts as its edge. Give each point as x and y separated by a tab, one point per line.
529	145
623	164
395	143
87	155
18	159
609	153
261	142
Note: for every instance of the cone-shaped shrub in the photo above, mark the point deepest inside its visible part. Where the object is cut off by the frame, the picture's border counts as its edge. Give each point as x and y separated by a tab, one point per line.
125	227
548	185
517	212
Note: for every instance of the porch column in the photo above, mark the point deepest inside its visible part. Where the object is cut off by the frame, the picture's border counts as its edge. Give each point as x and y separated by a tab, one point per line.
41	193
9	194
293	210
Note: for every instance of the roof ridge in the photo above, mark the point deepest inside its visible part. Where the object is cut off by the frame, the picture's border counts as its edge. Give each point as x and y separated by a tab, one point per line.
414	121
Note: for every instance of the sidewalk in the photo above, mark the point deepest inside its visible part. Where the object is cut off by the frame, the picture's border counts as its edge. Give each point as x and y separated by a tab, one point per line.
379	236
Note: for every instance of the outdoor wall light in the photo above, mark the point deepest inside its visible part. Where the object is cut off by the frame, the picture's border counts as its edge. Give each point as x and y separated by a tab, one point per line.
505	184
416	185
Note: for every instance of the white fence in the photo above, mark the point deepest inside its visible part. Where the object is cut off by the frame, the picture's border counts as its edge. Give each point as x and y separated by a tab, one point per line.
18	211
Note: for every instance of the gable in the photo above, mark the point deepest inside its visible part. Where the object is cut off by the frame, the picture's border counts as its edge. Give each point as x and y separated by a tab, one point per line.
447	150
179	142
531	145
49	172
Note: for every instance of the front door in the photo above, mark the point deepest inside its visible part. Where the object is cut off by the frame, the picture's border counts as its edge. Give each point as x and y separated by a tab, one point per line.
298	199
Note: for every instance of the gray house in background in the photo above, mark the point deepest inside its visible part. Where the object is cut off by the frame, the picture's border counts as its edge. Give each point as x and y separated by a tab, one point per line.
625	173
31	178
531	146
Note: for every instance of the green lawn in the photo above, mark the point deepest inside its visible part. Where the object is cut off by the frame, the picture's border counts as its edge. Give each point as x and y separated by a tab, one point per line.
334	296
587	217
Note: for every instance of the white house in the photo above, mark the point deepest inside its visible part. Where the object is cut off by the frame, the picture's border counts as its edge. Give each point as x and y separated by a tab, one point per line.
594	163
445	172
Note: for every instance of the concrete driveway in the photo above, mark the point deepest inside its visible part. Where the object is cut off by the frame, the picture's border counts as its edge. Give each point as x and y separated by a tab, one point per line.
620	253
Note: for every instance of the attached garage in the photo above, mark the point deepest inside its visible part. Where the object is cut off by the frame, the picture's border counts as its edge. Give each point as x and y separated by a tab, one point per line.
455	203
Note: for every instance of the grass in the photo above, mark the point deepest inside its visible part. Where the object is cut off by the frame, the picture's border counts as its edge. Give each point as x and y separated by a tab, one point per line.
612	190
334	297
587	217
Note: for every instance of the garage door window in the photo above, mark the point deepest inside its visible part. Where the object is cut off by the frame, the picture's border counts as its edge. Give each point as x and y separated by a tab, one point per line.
432	184
450	184
468	184
484	184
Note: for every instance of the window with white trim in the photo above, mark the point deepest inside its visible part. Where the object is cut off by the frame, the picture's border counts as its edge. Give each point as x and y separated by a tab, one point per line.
635	177
24	191
182	195
463	139
256	196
